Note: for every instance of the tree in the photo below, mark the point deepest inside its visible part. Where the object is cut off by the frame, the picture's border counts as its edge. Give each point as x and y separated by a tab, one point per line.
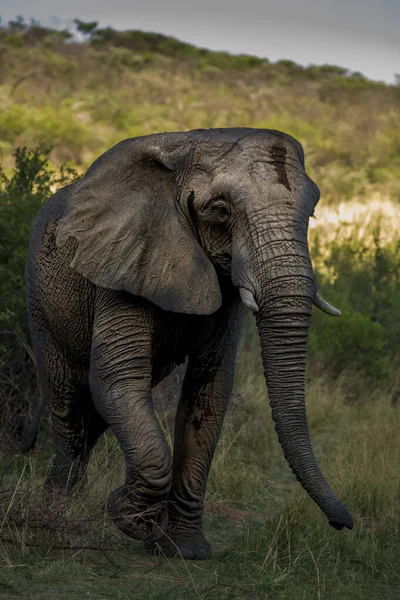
18	24
87	29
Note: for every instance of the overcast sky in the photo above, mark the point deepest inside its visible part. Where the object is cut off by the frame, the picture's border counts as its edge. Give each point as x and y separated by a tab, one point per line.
361	35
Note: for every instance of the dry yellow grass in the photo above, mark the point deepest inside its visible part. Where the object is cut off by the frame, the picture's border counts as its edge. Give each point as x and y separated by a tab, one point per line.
357	219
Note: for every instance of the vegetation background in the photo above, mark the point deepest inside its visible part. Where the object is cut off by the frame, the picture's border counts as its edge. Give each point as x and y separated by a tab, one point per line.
62	104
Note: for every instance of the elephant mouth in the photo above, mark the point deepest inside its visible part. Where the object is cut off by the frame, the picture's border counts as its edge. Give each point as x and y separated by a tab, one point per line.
248	300
222	263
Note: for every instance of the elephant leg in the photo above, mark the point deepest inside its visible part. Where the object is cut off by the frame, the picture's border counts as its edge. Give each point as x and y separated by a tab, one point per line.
76	430
204	399
75	423
120	381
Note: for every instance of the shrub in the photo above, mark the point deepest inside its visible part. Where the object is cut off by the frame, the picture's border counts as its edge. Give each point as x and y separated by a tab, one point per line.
364	282
21	196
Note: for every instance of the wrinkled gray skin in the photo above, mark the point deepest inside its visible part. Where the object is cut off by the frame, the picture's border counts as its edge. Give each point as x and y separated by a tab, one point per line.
139	265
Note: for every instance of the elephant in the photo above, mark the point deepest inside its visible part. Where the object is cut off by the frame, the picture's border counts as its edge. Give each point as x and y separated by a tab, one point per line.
151	259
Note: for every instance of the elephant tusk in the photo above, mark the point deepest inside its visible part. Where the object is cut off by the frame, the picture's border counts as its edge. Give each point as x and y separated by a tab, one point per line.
248	300
325	306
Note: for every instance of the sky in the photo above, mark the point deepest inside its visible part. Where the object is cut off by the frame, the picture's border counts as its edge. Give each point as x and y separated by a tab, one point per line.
361	35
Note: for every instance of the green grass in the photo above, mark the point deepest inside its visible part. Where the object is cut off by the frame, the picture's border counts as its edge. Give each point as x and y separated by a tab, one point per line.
286	549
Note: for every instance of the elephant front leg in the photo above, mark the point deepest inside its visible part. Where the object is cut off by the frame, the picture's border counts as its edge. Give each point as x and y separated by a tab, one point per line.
120	382
138	507
205	396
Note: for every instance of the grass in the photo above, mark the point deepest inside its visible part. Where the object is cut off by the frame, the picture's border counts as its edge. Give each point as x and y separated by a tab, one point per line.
269	539
356	220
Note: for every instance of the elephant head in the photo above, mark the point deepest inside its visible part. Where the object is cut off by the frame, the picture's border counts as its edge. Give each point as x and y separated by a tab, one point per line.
166	216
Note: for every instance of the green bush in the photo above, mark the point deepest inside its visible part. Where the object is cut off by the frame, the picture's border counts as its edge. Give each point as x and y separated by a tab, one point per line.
62	126
364	282
21	196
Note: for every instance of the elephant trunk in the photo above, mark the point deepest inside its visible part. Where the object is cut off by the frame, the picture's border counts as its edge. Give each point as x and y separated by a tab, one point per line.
286	292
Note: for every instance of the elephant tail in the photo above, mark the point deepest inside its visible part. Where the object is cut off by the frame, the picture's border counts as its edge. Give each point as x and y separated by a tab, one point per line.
30	434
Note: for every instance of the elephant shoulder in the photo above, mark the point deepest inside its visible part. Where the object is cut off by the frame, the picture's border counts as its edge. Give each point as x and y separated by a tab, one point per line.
58	296
45	225
46	264
52	209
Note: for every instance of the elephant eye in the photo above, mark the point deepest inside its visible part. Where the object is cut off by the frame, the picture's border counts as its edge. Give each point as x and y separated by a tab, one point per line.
220	210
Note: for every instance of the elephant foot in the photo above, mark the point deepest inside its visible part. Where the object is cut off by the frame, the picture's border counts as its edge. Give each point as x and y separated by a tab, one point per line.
136	517
191	545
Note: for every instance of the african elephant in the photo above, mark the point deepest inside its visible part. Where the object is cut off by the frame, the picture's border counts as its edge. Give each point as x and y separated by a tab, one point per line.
151	258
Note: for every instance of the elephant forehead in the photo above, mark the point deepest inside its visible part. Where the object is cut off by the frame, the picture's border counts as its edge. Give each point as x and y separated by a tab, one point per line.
258	175
256	155
225	144
248	136
269	151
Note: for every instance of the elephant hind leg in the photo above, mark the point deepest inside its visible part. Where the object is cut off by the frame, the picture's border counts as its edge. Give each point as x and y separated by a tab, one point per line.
76	429
76	424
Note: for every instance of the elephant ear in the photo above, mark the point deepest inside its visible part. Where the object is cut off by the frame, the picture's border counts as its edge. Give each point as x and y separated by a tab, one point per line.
130	232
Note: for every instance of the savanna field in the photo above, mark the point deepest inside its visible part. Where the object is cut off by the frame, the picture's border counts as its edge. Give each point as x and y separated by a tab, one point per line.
62	104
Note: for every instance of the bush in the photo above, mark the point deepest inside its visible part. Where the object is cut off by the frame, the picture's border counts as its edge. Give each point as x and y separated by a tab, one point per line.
21	196
364	282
